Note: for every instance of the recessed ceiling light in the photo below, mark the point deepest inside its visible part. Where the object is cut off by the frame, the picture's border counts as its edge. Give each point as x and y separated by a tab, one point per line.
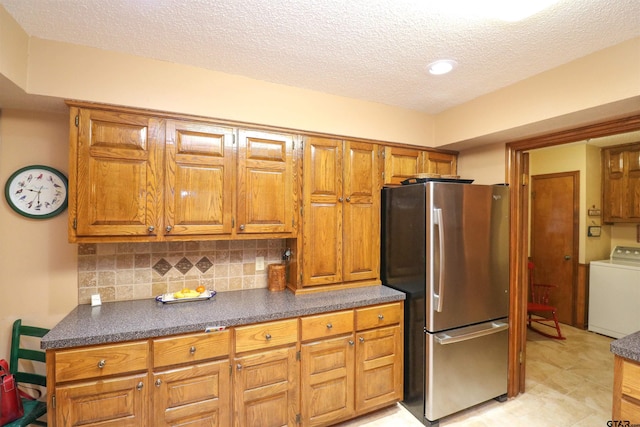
442	66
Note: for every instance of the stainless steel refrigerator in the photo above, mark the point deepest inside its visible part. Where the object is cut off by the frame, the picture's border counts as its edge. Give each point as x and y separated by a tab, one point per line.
446	245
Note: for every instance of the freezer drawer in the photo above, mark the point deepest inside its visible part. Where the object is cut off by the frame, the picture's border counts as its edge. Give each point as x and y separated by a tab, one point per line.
466	366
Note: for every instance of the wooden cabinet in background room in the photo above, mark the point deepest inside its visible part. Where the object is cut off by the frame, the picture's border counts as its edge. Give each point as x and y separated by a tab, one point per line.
341	212
621	184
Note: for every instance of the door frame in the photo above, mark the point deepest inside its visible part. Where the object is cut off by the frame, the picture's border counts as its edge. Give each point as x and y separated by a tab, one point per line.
517	175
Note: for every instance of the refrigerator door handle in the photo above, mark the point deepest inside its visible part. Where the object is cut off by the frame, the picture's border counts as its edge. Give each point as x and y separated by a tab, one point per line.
439	297
495	328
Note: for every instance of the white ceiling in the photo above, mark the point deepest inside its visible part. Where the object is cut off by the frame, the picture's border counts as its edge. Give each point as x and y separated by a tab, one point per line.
374	50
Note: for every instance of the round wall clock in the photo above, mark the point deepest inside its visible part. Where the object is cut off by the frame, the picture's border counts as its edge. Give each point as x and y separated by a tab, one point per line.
37	192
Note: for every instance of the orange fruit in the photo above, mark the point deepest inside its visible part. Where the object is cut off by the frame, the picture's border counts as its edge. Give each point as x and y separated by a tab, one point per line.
200	289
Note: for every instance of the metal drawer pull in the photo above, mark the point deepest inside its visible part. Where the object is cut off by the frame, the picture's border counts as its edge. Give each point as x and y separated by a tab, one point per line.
151	228
192	350
238	366
351	342
158	382
169	228
241	227
268	336
329	326
102	363
140	385
380	316
361	339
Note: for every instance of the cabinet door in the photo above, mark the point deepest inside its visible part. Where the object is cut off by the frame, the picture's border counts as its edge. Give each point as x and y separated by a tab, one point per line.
613	185
265	183
633	184
266	388
118	185
119	401
322	211
199	179
193	395
378	368
401	163
327	381
361	212
440	163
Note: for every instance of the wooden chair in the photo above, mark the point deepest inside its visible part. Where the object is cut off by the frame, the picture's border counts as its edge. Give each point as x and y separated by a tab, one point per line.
33	408
540	304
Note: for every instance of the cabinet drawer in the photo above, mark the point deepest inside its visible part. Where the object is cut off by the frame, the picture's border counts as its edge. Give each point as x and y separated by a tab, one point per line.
326	325
190	348
631	379
101	361
378	315
266	335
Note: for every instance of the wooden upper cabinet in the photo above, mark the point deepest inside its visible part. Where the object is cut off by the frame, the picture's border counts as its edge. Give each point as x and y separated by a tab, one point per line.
266	195
440	163
198	178
341	211
621	184
402	163
115	171
138	176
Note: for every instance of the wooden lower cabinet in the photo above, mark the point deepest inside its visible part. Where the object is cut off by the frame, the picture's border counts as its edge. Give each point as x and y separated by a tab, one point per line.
315	370
355	371
327	381
266	388
626	391
197	395
117	401
379	368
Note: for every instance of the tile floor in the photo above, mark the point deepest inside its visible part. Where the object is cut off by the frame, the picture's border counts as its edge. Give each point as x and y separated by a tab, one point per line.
568	383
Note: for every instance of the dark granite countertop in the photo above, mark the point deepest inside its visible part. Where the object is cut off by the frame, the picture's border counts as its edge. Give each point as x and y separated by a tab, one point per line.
627	347
129	320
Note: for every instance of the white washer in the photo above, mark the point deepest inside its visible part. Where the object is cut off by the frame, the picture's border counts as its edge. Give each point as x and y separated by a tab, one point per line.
614	293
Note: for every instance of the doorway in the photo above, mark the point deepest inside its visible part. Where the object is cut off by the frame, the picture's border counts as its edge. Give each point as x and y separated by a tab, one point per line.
518	178
554	237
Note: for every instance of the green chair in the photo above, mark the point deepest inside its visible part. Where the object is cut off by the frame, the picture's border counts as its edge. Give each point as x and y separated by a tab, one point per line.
33	409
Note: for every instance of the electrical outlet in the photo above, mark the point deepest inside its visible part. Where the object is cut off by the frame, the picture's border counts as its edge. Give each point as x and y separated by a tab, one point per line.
259	263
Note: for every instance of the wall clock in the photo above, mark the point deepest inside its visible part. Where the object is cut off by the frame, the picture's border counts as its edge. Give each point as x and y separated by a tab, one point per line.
37	192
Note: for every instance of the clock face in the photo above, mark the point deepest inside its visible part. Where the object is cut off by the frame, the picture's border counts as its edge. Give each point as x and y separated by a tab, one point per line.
37	192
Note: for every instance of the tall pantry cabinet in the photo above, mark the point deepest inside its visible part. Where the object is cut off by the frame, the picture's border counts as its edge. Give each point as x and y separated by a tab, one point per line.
340	212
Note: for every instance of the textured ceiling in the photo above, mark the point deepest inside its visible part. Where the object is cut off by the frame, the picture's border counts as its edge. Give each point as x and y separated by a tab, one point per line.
374	50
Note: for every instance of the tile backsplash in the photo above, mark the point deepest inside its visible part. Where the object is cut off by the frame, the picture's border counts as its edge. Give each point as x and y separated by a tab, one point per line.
126	271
